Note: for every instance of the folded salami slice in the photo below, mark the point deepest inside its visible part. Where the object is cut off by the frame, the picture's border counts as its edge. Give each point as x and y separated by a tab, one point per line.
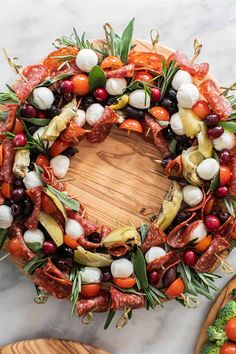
125	71
88	226
16	231
105	230
99	303
152	129
9	123
48	177
162	264
55	59
103	126
34	75
219	104
209	257
155	237
35	195
197	70
6	170
52	280
146	60
226	228
181	234
121	300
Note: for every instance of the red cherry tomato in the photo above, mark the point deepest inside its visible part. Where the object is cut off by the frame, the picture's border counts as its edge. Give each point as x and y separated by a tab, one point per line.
143	76
42	160
225	175
160	113
47	204
132	124
80	84
89	291
6	190
201	109
230	329
176	288
125	283
58	146
228	348
14	247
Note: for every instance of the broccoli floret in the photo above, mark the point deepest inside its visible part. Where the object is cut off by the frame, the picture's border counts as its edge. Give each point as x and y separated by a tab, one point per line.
217	334
210	348
228	311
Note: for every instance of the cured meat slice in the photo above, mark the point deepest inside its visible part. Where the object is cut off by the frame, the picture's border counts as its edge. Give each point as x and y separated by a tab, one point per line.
146	60
52	280
233	178
56	58
121	300
155	237
105	230
48	177
152	129
34	75
165	262
88	226
99	303
218	102
181	234
197	70
73	133
125	71
16	231
35	195
8	125
6	170
209	257
103	126
226	228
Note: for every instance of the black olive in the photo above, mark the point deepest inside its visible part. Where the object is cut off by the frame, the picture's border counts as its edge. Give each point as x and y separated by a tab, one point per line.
27	207
181	217
171	94
224	217
181	146
169	277
63	264
17	194
33	129
87	101
174	108
54	111
31	166
216	210
134	112
69	152
166	103
94	237
16	209
168	133
19	183
112	100
68	96
65	251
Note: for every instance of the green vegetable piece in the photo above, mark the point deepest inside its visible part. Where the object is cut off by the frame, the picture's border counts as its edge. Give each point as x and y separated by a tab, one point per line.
228	311
91	259
127	234
140	268
63	197
210	348
52	228
126	37
97	78
217	334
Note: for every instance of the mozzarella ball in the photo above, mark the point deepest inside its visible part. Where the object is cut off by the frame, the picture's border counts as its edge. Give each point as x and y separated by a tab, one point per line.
32	180
181	77
122	268
208	168
60	165
187	95
91	275
154	253
115	85
94	113
176	124
86	59
225	141
74	229
32	236
192	195
42	97
6	217
80	118
139	99
199	233
38	134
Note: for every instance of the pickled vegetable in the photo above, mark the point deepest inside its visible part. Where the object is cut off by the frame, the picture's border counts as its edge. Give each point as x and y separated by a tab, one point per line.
191	122
52	228
91	259
191	158
125	234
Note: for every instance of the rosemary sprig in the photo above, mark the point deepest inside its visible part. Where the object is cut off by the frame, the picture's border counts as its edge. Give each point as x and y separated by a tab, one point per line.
168	71
3	116
3	236
37	262
230	204
75	278
8	97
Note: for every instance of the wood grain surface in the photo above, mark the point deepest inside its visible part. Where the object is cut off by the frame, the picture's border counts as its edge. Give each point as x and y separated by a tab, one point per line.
50	346
221	300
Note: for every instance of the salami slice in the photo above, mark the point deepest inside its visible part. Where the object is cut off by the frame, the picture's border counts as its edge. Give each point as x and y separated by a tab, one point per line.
103	126
48	177
73	133
125	71
147	60
35	195
155	237
226	228
163	263
233	178
99	303
105	230
16	231
8	125
121	300
209	257
52	280
6	170
55	59
181	234
34	75
199	71
218	102
88	226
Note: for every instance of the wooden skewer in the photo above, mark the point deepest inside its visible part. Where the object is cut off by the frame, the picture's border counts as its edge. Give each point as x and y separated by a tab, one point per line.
4	257
84	211
158	161
147	132
225	266
73	196
66	179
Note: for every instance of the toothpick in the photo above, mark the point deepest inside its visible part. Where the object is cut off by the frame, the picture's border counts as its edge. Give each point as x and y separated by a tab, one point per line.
158	161
66	179
83	212
73	196
117	222
4	257
155	36
225	266
132	224
197	45
77	157
16	67
147	132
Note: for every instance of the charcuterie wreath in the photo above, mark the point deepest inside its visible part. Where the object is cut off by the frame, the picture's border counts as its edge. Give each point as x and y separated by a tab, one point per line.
80	91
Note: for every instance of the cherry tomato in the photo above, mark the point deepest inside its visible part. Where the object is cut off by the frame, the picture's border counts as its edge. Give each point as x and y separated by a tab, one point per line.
19	127
111	62
201	109
89	291
143	76
203	244
47	204
53	63
80	84
230	329
70	242
225	175
42	161
176	288
58	146
132	124
1	155
6	190
15	248
125	283
160	113
228	348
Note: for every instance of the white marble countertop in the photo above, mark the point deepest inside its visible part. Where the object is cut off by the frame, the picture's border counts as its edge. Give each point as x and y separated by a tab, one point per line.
27	29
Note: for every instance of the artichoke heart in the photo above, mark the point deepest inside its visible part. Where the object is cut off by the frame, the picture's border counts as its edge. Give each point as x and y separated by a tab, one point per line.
91	259
125	234
191	122
21	163
170	206
205	145
122	102
52	228
59	123
56	201
191	158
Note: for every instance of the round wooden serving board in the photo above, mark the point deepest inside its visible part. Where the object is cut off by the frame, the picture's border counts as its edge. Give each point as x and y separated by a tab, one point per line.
222	299
50	346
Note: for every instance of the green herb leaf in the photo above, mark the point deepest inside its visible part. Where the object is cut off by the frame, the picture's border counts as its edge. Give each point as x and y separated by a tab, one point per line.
37	262
110	315
34	246
8	97
97	78
140	267
143	231
230	206
75	278
229	126
36	121
172	146
126	37
214	183
3	116
63	197
3	236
